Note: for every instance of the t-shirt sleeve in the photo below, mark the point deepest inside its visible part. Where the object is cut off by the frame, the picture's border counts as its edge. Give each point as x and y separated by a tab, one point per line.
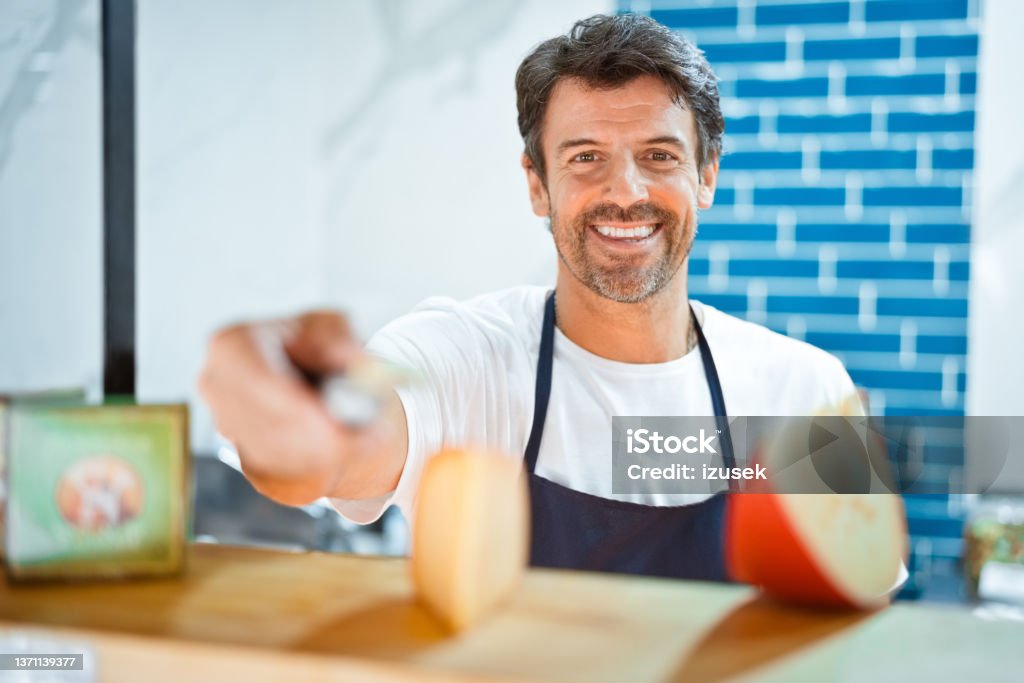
438	343
841	396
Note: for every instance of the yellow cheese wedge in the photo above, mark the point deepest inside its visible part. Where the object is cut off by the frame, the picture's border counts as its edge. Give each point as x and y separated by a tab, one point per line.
820	549
470	542
800	540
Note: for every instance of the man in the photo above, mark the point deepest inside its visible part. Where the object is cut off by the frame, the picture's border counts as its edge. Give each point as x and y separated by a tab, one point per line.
622	131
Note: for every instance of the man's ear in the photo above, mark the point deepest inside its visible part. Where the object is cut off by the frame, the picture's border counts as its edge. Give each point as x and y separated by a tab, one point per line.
538	193
708	180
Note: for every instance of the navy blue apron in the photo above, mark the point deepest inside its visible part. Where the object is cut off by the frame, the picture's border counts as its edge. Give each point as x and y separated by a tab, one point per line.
576	530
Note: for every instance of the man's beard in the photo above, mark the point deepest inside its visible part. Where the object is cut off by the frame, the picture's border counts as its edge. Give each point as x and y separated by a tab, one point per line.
624	278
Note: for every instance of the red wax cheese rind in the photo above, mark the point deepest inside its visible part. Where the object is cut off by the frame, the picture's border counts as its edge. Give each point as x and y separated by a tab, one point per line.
821	549
470	542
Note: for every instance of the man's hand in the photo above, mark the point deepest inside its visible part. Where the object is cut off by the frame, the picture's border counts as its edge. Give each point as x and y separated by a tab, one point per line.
291	449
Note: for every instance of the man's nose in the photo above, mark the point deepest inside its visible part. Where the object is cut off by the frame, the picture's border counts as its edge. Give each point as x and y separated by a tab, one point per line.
626	184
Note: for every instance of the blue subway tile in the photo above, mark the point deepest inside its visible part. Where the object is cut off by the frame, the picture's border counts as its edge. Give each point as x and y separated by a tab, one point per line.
725	196
803	13
713	232
958	159
943	455
854	48
698	266
930	308
911	84
919	486
813	303
793	87
743	125
942	344
959	122
913	196
851	123
731	303
718	53
886	269
897	379
959	271
946	527
762	160
947	46
942	233
773	268
848	232
848	341
869	159
911	10
921	410
926	505
968	83
698	17
800	196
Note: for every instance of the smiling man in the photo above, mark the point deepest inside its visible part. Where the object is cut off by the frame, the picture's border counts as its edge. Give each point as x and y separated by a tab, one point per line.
622	130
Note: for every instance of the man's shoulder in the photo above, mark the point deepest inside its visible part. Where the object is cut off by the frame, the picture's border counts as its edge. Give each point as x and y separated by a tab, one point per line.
496	318
759	349
503	309
779	375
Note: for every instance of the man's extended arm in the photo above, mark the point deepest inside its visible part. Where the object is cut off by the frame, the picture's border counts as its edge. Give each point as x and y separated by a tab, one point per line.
290	448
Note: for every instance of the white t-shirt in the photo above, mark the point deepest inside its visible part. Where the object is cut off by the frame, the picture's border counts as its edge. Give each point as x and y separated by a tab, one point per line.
479	358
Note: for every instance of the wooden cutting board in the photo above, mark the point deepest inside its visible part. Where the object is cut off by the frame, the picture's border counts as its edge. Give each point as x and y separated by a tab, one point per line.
264	615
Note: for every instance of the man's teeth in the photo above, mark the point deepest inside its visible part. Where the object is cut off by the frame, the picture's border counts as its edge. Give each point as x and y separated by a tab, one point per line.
626	233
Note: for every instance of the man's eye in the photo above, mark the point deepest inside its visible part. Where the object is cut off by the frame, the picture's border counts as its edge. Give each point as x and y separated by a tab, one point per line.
662	156
585	156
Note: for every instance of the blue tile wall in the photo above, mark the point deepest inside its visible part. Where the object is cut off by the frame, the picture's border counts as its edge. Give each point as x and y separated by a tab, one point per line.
911	84
801	196
957	233
802	12
914	10
719	232
823	123
843	205
947	46
913	195
842	232
698	16
958	122
868	158
854	48
960	159
766	160
720	53
969	83
792	87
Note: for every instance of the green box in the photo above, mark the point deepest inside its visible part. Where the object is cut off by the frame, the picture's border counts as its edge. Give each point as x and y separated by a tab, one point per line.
96	491
48	397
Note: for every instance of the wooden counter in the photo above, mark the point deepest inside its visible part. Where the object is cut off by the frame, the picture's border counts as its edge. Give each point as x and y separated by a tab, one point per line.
267	615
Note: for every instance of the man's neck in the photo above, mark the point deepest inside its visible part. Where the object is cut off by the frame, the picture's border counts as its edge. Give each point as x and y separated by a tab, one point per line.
653	331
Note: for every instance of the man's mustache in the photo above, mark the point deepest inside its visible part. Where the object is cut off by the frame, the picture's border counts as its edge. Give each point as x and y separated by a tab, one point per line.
638	213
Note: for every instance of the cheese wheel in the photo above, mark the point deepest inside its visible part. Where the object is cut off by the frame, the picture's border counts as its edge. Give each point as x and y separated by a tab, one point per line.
823	549
470	542
820	548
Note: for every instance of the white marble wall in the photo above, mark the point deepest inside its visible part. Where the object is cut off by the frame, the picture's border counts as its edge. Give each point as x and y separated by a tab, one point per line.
355	153
50	196
352	153
995	370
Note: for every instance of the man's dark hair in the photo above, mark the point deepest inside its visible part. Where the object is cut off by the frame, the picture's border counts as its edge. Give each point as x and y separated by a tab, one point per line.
607	52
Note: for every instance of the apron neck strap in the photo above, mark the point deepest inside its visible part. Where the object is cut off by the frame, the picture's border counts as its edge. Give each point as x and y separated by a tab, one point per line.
542	389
